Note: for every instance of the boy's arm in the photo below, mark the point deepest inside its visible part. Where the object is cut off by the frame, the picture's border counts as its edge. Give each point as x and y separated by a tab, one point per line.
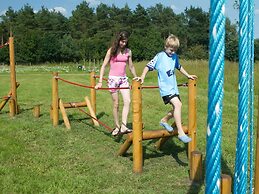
184	72
144	73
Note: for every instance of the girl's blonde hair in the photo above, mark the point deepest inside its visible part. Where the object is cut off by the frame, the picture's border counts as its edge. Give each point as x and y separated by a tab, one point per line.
172	41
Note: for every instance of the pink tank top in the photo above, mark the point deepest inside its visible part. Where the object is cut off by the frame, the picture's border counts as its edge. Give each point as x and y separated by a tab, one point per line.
118	64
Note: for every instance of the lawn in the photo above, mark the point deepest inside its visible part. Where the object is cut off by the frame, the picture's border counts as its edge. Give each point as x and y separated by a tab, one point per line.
36	157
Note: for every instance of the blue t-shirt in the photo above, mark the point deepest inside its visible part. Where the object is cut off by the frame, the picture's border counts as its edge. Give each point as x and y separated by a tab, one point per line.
165	66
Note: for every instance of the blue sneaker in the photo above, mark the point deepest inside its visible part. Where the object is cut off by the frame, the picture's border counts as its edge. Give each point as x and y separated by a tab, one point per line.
185	138
166	126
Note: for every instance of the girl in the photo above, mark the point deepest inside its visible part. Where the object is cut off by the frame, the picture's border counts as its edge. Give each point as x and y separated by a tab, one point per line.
119	55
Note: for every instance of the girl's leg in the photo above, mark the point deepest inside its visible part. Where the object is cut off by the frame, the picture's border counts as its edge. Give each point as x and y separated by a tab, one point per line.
126	106
115	101
177	111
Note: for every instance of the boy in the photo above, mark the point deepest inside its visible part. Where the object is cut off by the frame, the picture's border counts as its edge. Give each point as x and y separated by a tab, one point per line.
165	63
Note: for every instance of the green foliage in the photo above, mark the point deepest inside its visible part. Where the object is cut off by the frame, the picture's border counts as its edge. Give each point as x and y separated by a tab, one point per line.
48	36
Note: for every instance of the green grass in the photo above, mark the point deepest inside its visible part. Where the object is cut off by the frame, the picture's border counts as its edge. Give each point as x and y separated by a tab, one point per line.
38	158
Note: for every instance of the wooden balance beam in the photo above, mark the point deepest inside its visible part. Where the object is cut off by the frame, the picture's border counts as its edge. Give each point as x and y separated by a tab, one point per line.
146	135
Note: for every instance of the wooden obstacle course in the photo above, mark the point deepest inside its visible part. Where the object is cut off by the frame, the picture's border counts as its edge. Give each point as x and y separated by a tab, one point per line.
58	104
137	136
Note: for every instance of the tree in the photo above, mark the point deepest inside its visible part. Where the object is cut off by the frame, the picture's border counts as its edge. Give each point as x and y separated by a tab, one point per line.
82	21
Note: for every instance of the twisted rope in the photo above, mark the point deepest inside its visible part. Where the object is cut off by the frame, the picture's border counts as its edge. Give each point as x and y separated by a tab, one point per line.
251	99
240	177
215	95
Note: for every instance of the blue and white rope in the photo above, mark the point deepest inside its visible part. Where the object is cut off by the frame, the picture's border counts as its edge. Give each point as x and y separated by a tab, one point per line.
215	96
240	177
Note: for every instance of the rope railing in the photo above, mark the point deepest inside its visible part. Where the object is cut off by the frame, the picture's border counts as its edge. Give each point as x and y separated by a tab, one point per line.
3	45
92	87
104	125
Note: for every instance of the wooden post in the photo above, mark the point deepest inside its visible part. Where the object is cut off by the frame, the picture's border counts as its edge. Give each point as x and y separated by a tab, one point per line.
93	91
226	182
55	115
64	114
36	111
12	107
256	176
192	116
196	166
92	113
13	74
137	127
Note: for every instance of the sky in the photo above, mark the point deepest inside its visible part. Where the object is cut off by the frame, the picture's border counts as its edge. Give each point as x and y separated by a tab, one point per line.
67	6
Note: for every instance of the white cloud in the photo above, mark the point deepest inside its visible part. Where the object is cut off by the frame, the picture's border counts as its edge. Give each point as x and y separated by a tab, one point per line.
93	3
176	9
256	11
3	12
59	9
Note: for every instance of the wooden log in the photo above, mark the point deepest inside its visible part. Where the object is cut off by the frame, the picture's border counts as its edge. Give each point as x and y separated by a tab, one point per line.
74	104
192	115
196	166
12	107
92	113
64	115
161	142
226	182
93	91
13	74
137	127
55	113
125	146
154	134
36	111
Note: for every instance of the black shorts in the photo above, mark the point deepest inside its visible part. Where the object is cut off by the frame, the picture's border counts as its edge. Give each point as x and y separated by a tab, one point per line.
167	98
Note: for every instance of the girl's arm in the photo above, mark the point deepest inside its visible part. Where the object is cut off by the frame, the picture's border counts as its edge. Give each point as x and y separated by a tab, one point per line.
131	66
102	70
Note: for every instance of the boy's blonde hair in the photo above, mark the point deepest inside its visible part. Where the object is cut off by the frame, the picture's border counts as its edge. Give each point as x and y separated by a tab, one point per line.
172	41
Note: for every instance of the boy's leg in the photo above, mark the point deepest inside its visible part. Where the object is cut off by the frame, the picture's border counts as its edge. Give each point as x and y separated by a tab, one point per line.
168	116
177	111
